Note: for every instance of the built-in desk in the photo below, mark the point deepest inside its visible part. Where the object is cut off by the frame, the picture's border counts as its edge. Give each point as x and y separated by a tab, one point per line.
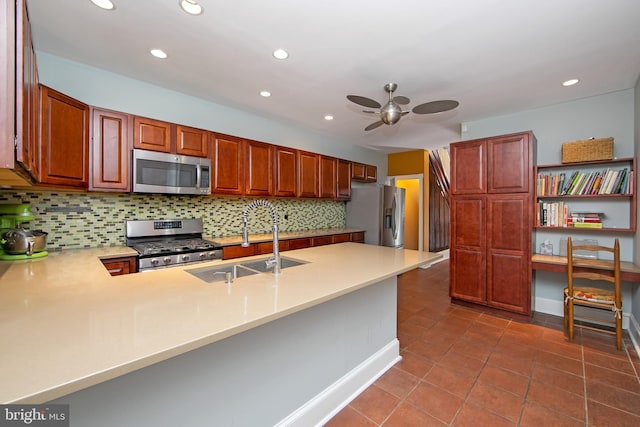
629	272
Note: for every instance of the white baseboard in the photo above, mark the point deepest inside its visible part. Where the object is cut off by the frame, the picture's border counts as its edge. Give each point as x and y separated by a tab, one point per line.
634	333
329	402
556	308
445	256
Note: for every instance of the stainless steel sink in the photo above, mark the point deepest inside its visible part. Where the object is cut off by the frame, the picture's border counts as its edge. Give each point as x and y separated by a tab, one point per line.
229	272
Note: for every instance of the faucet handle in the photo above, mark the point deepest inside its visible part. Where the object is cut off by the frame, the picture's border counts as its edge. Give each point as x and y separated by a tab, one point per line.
271	262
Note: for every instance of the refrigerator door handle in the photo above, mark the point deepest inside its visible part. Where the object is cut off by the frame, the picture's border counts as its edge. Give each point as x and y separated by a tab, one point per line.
394	222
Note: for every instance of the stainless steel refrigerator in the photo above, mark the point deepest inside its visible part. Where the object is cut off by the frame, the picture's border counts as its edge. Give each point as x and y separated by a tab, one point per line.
379	210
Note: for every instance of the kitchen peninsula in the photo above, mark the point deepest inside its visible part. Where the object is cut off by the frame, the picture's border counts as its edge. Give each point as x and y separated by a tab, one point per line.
165	348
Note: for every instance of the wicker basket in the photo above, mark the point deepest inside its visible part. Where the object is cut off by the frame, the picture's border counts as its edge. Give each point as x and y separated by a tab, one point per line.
587	150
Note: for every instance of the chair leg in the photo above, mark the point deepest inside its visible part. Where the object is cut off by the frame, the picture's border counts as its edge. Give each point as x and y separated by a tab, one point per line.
570	318
566	316
618	332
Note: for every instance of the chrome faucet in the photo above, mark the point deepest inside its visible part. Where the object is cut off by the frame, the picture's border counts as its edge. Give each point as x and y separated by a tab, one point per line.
272	262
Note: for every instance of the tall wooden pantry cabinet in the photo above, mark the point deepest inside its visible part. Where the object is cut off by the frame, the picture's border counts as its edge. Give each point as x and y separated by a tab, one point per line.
492	185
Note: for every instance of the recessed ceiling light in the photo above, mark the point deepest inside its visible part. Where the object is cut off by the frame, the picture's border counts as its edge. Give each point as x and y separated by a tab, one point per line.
158	53
570	82
280	54
265	93
328	117
192	7
104	4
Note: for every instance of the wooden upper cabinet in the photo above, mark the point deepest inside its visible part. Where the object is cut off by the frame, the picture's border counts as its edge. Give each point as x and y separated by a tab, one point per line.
228	165
286	172
509	163
364	173
110	150
344	179
192	141
64	140
309	175
328	177
150	134
468	167
258	166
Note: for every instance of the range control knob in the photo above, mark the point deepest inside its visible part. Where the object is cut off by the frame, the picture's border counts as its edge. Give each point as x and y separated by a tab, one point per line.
185	258
202	255
154	261
167	259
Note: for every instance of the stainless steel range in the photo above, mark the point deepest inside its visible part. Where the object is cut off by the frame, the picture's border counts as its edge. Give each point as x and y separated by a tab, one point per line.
167	243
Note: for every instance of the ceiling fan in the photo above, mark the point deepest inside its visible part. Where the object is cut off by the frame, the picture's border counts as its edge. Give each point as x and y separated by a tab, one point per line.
391	112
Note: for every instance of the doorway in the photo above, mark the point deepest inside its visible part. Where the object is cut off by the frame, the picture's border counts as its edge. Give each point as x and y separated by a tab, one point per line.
414	209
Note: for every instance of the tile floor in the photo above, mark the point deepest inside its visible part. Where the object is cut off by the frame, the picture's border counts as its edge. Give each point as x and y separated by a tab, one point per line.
467	368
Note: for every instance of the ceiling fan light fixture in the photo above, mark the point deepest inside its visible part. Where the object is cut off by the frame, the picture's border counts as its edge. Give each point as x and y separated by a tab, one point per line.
192	7
390	114
104	4
570	82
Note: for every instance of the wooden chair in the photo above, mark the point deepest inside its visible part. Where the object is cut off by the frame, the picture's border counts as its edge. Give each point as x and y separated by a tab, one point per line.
596	270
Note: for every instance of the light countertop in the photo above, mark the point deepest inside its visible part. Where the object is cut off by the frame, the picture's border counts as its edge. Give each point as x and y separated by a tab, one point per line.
66	324
288	235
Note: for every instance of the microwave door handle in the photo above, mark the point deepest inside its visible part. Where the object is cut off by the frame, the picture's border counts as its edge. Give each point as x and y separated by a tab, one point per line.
198	176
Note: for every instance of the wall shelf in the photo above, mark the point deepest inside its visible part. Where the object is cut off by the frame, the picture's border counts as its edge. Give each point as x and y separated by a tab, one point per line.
614	205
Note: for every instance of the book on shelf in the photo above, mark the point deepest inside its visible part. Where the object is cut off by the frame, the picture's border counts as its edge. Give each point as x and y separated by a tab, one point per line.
552	214
587	225
606	181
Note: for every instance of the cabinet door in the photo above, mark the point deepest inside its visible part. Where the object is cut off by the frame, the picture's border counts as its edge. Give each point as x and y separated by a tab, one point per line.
27	102
286	172
509	164
120	266
468	250
8	78
371	173
258	168
328	177
192	142
357	237
321	240
358	172
228	165
238	251
468	166
110	150
509	252
309	175
152	134
344	179
301	243
64	140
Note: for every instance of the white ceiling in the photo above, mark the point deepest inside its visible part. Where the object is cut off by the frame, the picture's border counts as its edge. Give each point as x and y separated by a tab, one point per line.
494	56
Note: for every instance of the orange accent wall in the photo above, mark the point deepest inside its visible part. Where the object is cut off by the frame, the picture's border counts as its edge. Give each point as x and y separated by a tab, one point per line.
407	162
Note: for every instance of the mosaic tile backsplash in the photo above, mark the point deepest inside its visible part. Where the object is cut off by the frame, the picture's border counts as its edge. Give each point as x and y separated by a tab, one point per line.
83	220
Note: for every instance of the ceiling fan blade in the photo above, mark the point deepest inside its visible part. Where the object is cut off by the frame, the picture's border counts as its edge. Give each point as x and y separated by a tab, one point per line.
370	112
402	100
404	113
365	102
374	125
435	107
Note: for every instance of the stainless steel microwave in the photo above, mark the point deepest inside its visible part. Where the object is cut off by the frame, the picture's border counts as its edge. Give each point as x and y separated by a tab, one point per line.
155	172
